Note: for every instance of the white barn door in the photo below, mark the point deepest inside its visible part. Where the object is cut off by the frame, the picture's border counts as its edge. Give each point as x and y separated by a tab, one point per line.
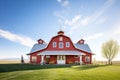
61	59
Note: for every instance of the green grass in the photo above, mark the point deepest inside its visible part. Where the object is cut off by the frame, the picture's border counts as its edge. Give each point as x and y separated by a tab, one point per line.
59	72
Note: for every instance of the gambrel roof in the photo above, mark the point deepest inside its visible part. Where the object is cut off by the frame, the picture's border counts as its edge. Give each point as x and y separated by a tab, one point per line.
84	47
38	47
41	45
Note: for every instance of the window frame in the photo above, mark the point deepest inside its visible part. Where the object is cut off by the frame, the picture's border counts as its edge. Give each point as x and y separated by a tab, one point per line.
34	58
61	43
87	58
47	56
67	44
54	44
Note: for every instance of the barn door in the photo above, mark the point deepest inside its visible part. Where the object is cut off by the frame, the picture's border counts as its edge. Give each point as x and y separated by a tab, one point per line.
61	59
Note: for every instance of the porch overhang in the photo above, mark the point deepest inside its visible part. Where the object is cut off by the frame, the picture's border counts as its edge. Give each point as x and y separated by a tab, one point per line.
61	53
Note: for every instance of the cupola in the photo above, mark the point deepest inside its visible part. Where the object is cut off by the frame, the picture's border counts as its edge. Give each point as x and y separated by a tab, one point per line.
40	41
81	41
61	33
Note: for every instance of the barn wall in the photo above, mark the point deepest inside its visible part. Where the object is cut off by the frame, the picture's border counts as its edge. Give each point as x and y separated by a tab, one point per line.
37	56
69	58
56	39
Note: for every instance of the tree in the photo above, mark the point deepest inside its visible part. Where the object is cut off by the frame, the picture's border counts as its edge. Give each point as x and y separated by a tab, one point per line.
110	49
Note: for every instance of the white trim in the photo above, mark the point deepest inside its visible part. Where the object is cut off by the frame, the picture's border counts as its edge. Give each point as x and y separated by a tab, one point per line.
47	56
87	58
80	59
42	59
54	44
61	44
34	58
61	53
61	59
67	44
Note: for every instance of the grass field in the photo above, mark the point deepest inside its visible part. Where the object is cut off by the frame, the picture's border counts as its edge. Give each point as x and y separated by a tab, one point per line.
11	61
59	72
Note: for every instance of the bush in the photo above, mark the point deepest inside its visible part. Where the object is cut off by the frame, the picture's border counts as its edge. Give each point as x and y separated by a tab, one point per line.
70	62
51	62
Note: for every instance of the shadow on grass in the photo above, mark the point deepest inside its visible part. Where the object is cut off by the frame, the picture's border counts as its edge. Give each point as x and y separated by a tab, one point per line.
86	67
21	67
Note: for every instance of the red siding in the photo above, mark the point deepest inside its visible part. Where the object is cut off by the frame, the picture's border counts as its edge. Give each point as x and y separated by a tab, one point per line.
53	59
56	39
38	58
70	59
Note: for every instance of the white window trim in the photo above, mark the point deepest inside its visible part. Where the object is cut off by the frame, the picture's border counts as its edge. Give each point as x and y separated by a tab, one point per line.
67	44
86	58
54	44
34	58
61	43
47	56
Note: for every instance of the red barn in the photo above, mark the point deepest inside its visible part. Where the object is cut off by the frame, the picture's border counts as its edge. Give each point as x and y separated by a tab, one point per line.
60	50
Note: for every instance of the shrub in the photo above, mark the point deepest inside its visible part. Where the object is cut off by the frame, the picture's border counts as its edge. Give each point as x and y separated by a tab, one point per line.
70	62
51	62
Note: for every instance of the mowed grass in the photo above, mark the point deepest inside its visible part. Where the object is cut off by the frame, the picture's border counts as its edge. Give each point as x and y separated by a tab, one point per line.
59	72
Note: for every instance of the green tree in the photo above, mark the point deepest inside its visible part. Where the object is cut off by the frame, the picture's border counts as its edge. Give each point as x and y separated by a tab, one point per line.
110	49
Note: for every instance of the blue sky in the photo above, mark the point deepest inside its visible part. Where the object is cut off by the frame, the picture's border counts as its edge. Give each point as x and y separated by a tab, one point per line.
23	22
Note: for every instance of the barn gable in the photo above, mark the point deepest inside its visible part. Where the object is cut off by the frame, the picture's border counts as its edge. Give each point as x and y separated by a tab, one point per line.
60	42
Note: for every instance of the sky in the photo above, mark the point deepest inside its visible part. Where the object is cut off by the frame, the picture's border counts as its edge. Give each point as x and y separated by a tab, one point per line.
23	22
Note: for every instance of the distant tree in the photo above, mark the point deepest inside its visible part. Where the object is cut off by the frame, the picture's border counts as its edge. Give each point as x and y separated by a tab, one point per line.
110	49
22	59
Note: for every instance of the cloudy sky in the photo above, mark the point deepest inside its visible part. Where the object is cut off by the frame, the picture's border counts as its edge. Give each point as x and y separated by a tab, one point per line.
23	22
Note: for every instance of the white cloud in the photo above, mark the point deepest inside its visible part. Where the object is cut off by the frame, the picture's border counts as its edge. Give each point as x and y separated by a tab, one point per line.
97	14
17	38
94	36
63	3
78	22
73	21
116	28
59	1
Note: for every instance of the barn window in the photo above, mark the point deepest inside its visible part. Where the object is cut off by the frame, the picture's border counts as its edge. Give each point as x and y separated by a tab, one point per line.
60	44
76	62
67	44
60	38
47	56
34	58
87	59
54	44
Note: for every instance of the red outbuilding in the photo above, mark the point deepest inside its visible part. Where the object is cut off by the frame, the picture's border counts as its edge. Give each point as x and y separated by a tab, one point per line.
60	50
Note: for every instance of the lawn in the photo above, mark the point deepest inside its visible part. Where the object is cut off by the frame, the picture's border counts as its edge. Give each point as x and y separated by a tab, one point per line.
59	72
